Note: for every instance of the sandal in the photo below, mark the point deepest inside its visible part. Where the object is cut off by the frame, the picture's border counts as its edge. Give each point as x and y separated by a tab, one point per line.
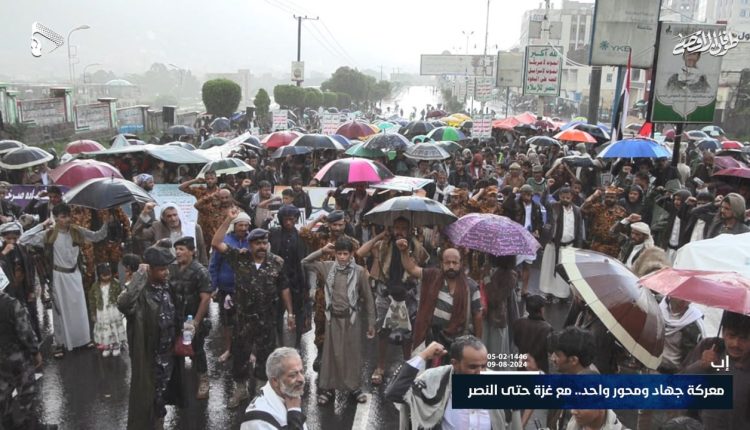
359	396
325	397
377	377
58	352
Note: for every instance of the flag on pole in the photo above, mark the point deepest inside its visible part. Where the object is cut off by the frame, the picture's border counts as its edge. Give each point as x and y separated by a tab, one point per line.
623	105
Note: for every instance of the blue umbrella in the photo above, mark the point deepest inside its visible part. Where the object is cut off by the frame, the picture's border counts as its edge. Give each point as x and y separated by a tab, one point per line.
342	140
285	151
709	144
570	125
253	140
635	148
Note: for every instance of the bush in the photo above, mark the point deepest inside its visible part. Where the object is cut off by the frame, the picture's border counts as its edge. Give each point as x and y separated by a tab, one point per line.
313	98
330	99
221	97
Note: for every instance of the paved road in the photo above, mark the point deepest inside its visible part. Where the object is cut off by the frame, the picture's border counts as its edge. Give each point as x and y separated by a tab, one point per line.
86	391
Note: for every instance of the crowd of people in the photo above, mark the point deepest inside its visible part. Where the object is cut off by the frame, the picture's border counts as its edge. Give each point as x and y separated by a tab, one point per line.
143	281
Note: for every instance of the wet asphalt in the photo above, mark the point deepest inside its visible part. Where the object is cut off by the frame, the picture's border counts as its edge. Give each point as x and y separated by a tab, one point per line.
86	391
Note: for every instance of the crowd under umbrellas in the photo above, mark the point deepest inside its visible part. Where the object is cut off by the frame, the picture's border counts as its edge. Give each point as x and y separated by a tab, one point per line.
358	156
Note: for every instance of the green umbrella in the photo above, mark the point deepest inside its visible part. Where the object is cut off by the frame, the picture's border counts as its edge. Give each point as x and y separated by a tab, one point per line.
421	138
447	133
449	146
357	150
385	125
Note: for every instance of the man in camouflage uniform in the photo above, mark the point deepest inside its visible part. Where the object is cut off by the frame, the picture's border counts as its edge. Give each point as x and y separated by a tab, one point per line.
603	216
192	287
334	230
211	210
259	281
200	193
19	348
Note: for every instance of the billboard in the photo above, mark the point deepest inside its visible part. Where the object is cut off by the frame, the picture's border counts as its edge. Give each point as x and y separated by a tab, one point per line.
279	120
95	116
621	27
464	65
687	72
542	71
42	111
509	69
298	71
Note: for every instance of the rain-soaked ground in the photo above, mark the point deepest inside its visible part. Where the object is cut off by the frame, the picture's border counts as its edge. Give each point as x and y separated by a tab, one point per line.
85	391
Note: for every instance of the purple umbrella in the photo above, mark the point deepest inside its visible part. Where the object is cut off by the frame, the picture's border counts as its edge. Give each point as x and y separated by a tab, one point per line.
493	234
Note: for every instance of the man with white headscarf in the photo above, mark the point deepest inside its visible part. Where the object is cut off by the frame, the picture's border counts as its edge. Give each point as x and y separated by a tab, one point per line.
639	238
170	226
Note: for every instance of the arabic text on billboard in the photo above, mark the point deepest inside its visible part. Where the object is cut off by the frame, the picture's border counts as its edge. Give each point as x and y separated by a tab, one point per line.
543	70
94	116
687	72
130	120
621	27
42	111
280	119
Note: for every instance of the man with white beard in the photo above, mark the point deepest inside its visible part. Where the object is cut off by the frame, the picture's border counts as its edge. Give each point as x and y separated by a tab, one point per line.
279	404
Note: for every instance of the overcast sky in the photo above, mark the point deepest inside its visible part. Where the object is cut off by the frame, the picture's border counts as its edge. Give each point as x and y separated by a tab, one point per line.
260	35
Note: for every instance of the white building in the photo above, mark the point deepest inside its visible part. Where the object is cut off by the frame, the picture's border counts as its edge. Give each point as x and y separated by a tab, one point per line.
736	15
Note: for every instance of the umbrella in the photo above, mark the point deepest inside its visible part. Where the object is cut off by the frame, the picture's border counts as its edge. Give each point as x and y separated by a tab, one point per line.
253	140
214	141
343	140
578	161
734	172
79	146
358	150
542	141
416	128
421	138
9	145
436	114
447	133
286	151
420	211
78	171
713	130
388	142
106	193
221	124
726	162
279	139
225	166
726	253
724	290
636	147
386	126
355	129
181	130
731	144
611	291
427	151
436	123
451	147
596	131
696	135
573	135
525	128
21	158
318	142
185	145
493	234
709	144
353	170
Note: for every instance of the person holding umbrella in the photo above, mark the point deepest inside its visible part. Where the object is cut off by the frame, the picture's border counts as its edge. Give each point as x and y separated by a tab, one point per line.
62	242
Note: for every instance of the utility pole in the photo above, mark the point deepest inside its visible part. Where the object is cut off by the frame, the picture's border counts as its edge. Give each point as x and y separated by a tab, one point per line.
484	54
299	37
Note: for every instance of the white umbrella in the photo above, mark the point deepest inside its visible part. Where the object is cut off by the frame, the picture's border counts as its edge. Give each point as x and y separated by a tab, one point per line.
724	253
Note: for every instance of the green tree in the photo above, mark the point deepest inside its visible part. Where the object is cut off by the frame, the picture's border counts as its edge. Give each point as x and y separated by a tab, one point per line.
313	98
289	96
262	103
349	81
221	97
381	90
344	101
330	99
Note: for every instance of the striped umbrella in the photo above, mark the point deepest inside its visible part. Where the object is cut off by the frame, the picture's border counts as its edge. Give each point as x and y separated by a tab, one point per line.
388	142
355	129
353	170
22	158
9	145
318	142
78	171
420	211
427	151
447	133
225	166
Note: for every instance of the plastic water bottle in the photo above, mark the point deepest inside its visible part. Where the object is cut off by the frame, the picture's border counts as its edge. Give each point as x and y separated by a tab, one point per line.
187	331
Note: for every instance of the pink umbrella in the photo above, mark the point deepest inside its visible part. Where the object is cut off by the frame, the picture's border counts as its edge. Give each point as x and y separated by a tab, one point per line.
79	171
280	138
731	144
355	130
352	170
80	146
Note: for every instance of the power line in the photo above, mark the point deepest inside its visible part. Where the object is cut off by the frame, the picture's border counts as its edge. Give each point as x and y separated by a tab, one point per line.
335	40
323	44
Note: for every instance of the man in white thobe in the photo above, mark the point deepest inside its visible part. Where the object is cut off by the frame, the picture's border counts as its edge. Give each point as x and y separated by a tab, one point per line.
71	323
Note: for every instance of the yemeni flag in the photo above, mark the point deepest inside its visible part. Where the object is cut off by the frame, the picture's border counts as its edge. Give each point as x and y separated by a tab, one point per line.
621	116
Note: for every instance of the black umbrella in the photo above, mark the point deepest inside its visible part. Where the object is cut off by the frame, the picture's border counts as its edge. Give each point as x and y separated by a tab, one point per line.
525	128
596	132
254	141
420	211
286	151
181	130
318	142
387	142
415	128
22	158
106	193
9	145
543	141
221	124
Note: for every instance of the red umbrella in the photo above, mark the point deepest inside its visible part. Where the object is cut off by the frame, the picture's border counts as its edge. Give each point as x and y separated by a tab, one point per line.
280	138
355	130
79	146
726	162
731	144
436	114
724	290
79	171
573	135
611	291
735	172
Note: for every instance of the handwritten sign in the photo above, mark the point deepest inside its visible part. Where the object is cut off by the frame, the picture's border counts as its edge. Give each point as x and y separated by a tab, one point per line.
716	43
21	195
96	116
482	126
330	122
543	71
280	120
483	89
42	111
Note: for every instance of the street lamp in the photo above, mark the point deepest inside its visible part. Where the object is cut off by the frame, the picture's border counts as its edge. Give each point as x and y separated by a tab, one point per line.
468	35
70	59
84	70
